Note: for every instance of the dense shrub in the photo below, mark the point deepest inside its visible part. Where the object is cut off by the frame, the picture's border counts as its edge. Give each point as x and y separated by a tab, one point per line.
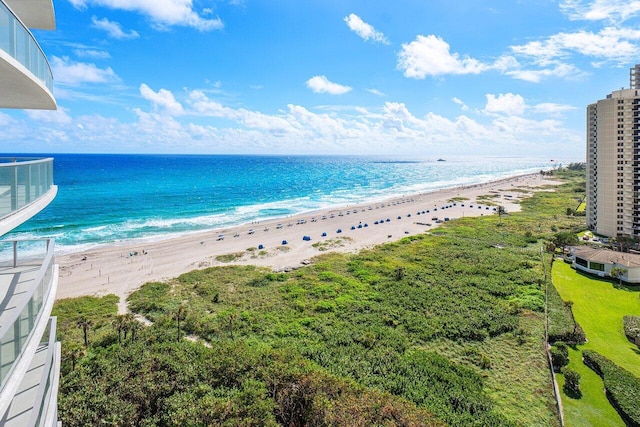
571	382
623	388
559	355
632	328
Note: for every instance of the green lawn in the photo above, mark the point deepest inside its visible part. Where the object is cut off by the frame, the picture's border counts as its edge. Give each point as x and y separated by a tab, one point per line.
593	408
598	306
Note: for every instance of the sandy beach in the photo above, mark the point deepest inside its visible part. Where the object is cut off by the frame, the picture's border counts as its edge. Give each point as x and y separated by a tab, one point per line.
121	269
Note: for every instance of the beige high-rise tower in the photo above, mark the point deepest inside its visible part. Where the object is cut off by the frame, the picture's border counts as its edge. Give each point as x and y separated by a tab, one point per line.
613	161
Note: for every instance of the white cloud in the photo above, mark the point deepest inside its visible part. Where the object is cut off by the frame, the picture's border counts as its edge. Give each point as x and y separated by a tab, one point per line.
163	99
92	53
610	44
59	116
320	84
552	109
163	14
364	30
535	76
597	10
204	125
72	73
375	92
514	105
431	56
507	103
462	105
113	29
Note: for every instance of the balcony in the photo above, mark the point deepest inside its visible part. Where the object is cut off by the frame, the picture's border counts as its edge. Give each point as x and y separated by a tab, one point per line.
29	356
25	75
26	187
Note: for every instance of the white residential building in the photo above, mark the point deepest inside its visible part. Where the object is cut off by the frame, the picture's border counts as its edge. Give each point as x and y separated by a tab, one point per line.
613	161
29	353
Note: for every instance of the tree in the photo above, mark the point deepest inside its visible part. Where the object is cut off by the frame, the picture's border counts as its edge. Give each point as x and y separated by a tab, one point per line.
179	315
564	239
85	324
119	324
618	273
501	211
571	382
73	352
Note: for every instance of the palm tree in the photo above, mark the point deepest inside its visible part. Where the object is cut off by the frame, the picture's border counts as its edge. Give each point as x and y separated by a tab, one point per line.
119	323
179	315
73	352
501	211
85	324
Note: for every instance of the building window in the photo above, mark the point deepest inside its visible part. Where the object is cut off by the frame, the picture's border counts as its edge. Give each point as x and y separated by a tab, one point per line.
582	262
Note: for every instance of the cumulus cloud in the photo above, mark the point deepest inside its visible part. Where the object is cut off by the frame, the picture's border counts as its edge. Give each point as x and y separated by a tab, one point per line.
59	116
320	84
431	56
514	105
507	103
68	72
162	14
203	124
597	10
113	29
364	30
162	99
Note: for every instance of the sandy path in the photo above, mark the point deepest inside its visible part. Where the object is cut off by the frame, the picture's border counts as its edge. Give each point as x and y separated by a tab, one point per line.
118	269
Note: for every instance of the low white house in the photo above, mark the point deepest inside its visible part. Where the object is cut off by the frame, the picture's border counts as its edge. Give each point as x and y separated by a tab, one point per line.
601	261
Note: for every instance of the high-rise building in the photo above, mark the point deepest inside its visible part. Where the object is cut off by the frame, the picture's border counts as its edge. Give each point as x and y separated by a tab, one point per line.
613	161
29	353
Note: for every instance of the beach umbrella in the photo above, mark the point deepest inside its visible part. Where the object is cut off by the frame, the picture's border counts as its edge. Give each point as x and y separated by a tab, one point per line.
306	238
260	247
324	234
284	242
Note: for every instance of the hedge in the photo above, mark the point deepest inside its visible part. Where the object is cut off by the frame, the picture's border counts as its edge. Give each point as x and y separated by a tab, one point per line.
631	327
622	387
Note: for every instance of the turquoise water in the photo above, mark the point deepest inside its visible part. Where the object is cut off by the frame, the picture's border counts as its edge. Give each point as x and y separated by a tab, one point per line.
110	198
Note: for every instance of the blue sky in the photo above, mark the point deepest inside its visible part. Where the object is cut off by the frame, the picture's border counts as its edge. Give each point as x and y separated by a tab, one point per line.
408	77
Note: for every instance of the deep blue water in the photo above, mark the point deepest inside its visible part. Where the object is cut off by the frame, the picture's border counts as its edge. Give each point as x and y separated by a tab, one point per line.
109	198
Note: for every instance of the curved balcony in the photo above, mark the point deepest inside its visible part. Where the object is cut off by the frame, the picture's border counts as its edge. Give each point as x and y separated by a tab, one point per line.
26	187
28	355
25	75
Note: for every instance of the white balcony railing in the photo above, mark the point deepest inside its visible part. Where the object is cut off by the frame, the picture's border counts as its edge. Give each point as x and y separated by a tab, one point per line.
18	42
27	285
22	181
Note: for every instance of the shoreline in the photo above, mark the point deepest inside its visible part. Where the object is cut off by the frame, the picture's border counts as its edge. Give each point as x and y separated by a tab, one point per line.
121	268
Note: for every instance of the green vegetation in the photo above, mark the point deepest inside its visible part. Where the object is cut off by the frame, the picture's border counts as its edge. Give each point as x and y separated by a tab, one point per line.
591	408
623	388
631	326
229	257
329	244
599	306
429	330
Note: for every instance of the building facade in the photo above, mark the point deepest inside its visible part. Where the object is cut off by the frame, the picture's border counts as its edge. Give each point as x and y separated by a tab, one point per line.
613	161
29	353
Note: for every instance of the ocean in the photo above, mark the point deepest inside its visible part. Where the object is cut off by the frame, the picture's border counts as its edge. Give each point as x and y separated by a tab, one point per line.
106	199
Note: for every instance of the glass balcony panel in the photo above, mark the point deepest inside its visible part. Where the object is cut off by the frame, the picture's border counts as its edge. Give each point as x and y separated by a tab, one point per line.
23	298
17	41
23	181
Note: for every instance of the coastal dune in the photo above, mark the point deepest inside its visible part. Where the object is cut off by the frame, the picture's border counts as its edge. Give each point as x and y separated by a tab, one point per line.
122	268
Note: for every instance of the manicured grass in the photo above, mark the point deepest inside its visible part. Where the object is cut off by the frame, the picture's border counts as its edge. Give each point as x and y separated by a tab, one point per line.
593	408
598	306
